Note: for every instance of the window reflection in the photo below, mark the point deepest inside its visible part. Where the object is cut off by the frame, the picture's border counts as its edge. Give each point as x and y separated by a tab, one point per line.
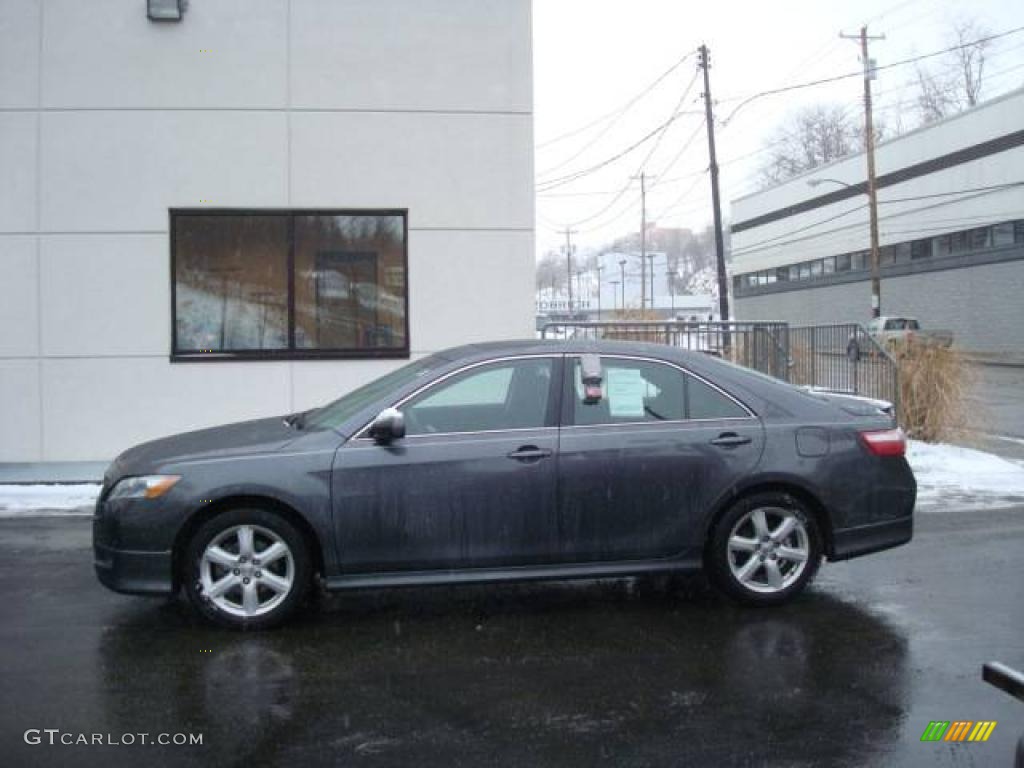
237	276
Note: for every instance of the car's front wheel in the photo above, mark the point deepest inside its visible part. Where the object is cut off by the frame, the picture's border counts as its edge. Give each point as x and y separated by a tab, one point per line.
247	569
764	550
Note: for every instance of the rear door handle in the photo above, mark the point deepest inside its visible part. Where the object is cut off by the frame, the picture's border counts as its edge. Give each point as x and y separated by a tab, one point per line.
528	453
730	440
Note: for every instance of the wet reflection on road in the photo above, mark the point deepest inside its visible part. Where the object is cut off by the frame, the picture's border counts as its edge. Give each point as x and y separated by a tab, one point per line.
557	674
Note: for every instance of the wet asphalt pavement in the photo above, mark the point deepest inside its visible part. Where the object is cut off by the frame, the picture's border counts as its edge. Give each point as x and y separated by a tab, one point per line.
619	673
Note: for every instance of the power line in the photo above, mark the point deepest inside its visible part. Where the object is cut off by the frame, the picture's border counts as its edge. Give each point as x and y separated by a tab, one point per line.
568	179
650	154
837	78
619	111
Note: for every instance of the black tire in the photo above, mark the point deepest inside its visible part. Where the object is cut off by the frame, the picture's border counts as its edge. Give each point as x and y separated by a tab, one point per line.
853	351
295	567
719	561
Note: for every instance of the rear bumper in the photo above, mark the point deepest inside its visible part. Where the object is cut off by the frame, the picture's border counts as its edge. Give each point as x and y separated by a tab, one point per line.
865	539
133	573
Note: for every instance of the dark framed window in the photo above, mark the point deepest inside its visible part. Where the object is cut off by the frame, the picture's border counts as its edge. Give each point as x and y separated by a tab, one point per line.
980	238
921	249
292	284
843	262
1002	234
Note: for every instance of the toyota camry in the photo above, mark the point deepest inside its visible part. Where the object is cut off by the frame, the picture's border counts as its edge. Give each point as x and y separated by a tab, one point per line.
511	461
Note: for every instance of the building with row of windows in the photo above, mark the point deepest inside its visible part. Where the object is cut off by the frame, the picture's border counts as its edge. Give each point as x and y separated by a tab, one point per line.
223	209
951	226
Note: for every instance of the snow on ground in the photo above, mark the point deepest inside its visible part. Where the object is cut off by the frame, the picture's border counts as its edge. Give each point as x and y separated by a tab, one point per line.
949	478
64	499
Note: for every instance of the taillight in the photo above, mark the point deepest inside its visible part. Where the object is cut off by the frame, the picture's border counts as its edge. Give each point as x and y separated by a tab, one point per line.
885	442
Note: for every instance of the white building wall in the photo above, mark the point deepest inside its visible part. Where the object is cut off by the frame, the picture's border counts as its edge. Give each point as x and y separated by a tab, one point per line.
842	226
108	119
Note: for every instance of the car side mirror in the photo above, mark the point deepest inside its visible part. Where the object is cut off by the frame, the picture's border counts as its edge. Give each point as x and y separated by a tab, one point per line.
389	425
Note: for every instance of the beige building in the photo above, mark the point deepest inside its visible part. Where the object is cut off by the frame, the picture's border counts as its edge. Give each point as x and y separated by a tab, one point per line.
250	210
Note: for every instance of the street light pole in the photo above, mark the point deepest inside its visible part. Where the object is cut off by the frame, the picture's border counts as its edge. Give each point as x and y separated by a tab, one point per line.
615	294
622	274
651	257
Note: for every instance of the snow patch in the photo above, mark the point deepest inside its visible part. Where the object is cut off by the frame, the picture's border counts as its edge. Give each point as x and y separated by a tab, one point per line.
64	499
952	477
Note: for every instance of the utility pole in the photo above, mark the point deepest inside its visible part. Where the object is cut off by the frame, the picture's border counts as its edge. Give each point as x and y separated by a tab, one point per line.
869	141
670	277
643	241
704	62
568	263
600	269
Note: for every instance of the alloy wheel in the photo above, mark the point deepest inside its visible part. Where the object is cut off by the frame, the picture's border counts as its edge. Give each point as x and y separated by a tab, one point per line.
768	549
246	571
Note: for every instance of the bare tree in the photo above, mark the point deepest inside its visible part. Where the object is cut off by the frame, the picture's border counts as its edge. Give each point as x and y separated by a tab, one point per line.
812	137
551	272
956	83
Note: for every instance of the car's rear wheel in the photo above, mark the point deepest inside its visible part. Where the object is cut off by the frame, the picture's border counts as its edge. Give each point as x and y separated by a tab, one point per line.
764	550
247	569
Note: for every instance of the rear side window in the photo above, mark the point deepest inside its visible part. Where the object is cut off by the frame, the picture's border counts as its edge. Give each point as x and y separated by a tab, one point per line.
644	391
706	402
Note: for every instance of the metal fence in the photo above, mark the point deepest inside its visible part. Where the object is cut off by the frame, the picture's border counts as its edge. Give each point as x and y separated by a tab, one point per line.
761	346
841	358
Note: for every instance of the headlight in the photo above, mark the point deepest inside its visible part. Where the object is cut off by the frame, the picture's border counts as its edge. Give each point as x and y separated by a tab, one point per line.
144	487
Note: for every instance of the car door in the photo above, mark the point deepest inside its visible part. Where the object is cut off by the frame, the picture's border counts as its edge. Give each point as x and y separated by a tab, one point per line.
639	469
472	483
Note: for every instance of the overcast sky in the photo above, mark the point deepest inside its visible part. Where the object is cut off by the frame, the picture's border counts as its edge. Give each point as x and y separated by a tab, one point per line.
593	56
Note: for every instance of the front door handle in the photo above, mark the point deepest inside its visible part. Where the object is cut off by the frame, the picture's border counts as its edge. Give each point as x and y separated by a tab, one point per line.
528	453
730	440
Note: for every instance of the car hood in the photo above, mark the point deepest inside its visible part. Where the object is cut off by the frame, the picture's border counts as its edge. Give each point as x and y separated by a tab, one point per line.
246	437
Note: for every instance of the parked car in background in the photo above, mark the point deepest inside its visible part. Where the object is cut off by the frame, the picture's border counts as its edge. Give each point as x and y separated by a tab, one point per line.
511	461
892	332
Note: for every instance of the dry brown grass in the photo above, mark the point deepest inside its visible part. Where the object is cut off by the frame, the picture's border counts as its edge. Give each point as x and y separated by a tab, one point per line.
800	364
933	384
656	335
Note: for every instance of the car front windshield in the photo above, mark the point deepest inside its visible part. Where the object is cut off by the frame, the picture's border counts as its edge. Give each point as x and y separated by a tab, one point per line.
333	415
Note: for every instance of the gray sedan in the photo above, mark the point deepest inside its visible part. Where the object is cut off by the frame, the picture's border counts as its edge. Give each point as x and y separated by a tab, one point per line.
511	461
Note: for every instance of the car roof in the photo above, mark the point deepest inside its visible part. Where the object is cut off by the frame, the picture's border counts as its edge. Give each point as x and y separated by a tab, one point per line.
569	346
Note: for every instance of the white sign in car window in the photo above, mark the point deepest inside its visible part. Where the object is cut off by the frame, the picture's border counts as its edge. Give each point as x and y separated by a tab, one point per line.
626	390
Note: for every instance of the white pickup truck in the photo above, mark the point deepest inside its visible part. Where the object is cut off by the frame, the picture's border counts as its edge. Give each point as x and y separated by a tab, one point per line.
892	331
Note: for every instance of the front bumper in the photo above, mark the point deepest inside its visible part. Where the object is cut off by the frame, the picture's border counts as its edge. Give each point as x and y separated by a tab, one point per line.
129	557
874	537
133	573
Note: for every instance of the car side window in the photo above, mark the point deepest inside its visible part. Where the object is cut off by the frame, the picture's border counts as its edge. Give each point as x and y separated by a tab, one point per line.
644	391
705	402
512	394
